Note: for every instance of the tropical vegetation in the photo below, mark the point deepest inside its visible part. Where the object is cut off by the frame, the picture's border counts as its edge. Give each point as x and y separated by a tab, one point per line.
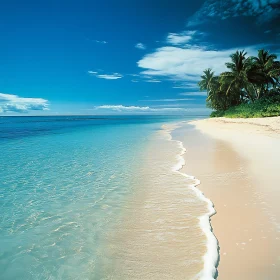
249	88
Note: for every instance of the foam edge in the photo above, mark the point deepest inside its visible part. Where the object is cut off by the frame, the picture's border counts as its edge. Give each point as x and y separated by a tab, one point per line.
211	257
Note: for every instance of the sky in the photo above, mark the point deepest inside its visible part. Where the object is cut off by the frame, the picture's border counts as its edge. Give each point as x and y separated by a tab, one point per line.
88	57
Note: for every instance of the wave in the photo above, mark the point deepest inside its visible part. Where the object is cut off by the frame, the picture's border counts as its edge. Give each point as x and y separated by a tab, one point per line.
211	257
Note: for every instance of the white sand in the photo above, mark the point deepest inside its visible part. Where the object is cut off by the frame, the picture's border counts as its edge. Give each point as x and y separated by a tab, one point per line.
241	175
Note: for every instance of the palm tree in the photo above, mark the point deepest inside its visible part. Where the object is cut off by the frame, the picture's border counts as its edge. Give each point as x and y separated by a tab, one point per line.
236	80
247	79
268	69
206	80
216	99
275	72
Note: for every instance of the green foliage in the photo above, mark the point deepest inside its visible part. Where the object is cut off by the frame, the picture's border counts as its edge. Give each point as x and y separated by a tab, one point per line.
263	107
217	114
206	82
249	88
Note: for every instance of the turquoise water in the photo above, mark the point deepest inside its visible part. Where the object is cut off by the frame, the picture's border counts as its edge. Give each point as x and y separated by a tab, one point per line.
63	183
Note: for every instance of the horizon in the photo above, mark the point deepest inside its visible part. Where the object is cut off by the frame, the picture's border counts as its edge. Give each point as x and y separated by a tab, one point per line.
122	58
107	115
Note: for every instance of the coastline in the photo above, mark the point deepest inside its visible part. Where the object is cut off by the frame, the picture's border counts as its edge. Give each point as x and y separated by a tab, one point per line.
236	162
165	231
211	256
171	213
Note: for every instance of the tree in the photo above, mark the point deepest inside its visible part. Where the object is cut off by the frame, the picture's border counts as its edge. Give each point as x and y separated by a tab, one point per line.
236	80
216	99
247	79
206	80
268	71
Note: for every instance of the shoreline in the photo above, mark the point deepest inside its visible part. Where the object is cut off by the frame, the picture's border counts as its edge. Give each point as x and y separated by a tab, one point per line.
211	257
172	213
236	162
166	214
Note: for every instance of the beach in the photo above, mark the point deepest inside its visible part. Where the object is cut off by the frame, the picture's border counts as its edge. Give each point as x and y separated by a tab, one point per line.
237	162
160	236
140	140
226	227
140	199
100	198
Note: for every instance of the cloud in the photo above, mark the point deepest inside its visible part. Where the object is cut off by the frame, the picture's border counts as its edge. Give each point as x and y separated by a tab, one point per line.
122	108
180	38
14	103
100	42
197	93
114	76
263	10
187	64
140	46
153	81
187	85
157	109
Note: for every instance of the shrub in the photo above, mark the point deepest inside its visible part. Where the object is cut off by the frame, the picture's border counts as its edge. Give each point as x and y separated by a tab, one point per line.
265	107
217	114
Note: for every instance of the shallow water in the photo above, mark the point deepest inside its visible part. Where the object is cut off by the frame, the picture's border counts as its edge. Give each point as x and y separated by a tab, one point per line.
66	183
161	235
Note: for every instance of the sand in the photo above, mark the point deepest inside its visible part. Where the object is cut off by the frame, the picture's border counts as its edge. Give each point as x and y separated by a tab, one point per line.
160	236
238	163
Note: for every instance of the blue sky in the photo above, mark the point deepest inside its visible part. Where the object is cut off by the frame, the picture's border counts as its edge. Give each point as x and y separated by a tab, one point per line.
123	57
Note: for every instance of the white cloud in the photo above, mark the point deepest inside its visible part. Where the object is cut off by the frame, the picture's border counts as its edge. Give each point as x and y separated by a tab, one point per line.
14	103
180	38
153	81
140	46
122	108
113	76
100	42
197	93
187	64
187	85
157	109
264	10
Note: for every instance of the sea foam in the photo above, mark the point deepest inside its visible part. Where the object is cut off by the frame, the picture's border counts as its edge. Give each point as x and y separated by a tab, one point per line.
211	257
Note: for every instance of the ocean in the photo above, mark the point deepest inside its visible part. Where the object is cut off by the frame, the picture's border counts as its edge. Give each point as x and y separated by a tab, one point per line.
88	197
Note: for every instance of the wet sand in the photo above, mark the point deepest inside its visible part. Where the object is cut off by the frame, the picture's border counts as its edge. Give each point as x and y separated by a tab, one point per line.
238	165
160	235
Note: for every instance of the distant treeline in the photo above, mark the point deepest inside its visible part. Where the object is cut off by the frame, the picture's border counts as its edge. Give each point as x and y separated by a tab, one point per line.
250	84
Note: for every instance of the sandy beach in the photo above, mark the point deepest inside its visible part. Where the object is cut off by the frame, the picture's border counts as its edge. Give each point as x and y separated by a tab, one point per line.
160	236
237	162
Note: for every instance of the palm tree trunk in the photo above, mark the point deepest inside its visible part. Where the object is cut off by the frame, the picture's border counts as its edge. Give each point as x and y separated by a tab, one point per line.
256	91
248	94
